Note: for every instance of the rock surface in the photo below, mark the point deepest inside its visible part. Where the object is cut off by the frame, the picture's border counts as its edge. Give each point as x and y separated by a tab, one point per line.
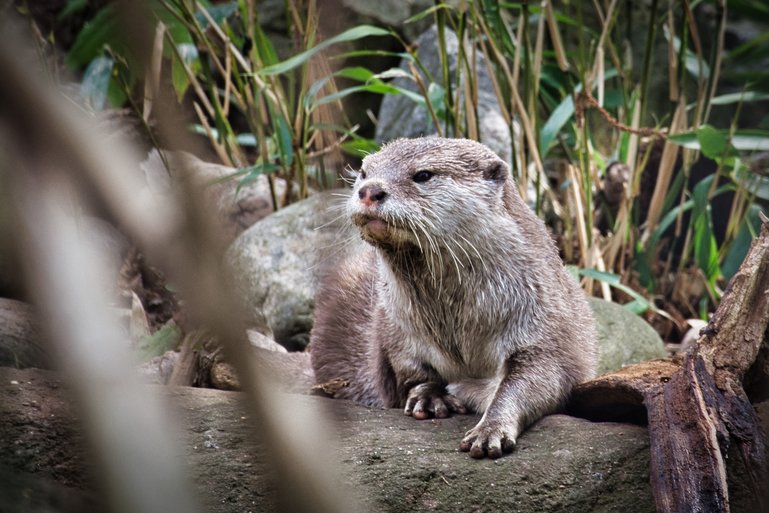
393	462
623	337
399	116
394	13
278	261
20	341
236	208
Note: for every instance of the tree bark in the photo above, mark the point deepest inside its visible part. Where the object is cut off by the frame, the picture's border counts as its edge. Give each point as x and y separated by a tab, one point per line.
698	407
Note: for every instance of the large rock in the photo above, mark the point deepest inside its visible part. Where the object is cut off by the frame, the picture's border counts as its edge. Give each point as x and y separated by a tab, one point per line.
393	462
277	263
623	337
394	13
21	345
235	206
401	117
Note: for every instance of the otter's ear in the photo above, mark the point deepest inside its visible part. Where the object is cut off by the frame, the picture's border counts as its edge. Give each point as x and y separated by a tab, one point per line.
495	170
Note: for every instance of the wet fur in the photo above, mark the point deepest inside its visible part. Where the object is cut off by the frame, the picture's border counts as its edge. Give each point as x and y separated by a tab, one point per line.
464	291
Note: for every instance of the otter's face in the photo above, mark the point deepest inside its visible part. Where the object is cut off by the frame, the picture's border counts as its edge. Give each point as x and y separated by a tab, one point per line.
421	192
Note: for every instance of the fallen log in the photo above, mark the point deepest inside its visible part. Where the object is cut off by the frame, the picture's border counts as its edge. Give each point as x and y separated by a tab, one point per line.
697	407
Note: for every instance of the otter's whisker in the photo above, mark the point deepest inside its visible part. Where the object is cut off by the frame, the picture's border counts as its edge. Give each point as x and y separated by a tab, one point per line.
332	221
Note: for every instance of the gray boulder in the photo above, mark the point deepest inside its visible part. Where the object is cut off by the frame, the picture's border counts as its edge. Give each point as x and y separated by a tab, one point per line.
394	13
235	207
277	263
623	337
401	117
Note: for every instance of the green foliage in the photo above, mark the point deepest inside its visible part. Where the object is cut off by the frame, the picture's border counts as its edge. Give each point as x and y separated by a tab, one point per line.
99	32
302	58
638	305
165	339
569	75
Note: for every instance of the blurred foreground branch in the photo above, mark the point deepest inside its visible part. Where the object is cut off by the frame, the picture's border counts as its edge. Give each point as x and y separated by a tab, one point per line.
128	429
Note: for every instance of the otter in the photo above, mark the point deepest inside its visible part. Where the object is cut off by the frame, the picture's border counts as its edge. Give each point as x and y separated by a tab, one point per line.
456	301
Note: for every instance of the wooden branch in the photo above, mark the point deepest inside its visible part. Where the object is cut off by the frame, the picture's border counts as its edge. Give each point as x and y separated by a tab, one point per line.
687	466
619	396
697	408
703	408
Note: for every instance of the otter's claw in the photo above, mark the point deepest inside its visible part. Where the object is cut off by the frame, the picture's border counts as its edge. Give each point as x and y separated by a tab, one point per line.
431	400
492	440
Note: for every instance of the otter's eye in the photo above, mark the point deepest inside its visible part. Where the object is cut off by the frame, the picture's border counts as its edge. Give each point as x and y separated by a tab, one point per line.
362	174
422	176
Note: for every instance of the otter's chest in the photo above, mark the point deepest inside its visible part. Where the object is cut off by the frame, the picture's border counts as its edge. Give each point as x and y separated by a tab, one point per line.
454	335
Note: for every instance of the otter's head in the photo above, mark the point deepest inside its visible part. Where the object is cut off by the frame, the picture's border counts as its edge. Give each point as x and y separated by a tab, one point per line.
425	193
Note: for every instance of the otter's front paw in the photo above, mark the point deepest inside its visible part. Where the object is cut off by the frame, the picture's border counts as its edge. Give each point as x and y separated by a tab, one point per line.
491	439
431	400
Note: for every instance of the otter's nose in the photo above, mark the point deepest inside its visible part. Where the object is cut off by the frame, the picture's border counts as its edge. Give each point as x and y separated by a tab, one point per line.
370	194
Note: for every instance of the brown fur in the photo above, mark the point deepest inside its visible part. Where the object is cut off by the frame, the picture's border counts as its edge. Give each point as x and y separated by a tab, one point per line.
459	301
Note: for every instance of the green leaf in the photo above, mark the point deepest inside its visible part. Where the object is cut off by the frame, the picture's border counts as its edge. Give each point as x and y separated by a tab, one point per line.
165	339
751	140
427	12
116	94
374	53
759	185
394	73
705	246
666	222
639	304
352	34
714	143
179	78
360	147
498	26
264	47
558	118
750	225
641	264
283	140
73	6
90	41
373	88
252	173
624	145
743	140
361	74
177	29
691	62
744	97
95	85
358	73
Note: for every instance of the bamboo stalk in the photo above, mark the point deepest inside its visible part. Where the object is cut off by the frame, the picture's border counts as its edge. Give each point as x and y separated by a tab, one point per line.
672	60
665	174
715	67
152	76
555	36
582	236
